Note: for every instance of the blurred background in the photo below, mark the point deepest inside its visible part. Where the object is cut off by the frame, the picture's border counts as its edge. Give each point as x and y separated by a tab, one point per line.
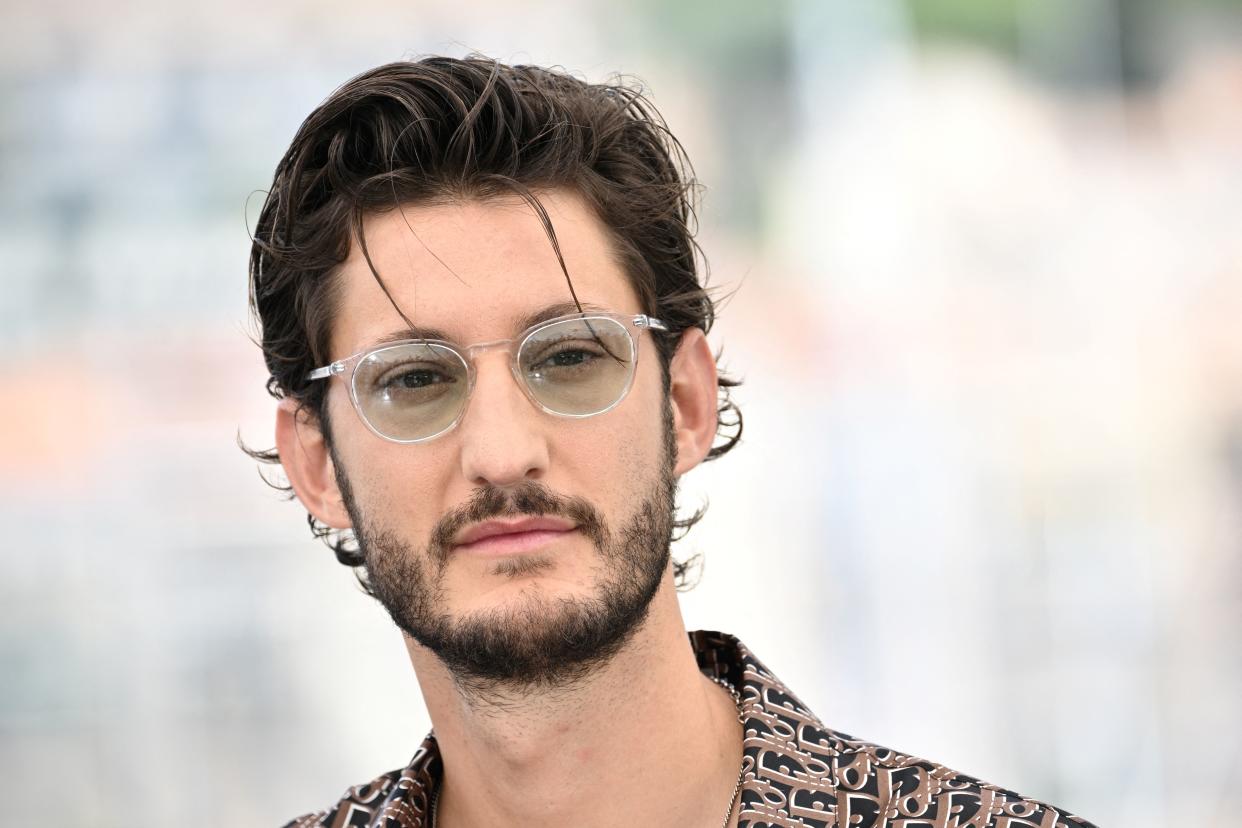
987	265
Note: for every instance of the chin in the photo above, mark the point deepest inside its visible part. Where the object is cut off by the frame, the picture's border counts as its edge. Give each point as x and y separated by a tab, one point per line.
533	633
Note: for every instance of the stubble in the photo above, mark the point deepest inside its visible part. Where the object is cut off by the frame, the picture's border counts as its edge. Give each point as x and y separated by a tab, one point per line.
535	643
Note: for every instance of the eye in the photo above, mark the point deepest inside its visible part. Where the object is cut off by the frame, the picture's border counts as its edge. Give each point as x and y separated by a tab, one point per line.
413	384
416	378
565	357
570	357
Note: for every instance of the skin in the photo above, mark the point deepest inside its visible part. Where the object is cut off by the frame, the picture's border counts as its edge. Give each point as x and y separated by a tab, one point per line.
645	739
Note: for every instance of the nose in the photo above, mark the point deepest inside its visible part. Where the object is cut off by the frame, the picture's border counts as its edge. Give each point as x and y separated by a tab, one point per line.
503	437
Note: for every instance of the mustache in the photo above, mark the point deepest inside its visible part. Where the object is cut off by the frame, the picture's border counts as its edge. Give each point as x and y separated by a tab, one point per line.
528	498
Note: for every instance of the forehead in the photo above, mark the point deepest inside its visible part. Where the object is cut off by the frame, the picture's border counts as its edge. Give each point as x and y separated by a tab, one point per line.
473	269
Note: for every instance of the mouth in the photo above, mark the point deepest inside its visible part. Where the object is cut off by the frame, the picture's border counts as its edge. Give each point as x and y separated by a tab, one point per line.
508	537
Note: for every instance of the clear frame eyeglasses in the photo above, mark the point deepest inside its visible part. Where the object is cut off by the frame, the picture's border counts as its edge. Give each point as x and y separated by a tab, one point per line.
415	390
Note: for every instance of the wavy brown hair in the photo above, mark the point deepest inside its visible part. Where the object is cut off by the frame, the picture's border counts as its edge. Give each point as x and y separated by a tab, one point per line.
443	129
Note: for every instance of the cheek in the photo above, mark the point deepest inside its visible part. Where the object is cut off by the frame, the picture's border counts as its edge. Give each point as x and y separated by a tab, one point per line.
396	487
627	444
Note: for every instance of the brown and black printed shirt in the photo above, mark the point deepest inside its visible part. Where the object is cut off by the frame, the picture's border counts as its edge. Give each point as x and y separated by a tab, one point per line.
796	772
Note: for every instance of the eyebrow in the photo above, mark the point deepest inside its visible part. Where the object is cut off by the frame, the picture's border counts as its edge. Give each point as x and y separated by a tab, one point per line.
519	324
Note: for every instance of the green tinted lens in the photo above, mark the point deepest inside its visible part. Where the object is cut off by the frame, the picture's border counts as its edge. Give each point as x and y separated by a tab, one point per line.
411	391
578	367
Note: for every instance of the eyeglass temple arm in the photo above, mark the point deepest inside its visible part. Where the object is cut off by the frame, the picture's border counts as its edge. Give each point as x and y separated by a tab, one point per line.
326	371
644	321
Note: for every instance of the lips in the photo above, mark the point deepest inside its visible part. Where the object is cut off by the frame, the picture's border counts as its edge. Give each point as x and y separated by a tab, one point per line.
512	535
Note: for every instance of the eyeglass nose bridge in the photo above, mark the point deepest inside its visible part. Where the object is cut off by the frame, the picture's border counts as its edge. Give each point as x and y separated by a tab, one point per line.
470	355
469	351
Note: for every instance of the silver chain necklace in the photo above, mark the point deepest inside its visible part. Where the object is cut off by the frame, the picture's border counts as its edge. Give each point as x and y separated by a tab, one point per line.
741	717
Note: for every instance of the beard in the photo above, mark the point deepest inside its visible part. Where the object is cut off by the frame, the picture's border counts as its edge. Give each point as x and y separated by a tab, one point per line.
536	643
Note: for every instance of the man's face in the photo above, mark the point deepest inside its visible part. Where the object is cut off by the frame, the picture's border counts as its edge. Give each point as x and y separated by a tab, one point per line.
531	607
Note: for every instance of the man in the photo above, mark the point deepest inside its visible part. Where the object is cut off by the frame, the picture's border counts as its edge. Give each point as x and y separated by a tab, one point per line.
481	309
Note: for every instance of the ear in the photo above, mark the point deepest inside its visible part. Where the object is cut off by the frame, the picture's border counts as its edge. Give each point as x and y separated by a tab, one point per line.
308	464
692	395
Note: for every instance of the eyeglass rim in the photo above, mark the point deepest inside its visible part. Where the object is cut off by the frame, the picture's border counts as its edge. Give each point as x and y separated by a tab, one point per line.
462	353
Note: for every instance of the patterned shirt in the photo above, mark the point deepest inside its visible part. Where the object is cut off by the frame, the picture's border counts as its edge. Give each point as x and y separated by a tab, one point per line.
796	772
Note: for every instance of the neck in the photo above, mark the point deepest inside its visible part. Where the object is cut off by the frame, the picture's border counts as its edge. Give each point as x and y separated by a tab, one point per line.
645	739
